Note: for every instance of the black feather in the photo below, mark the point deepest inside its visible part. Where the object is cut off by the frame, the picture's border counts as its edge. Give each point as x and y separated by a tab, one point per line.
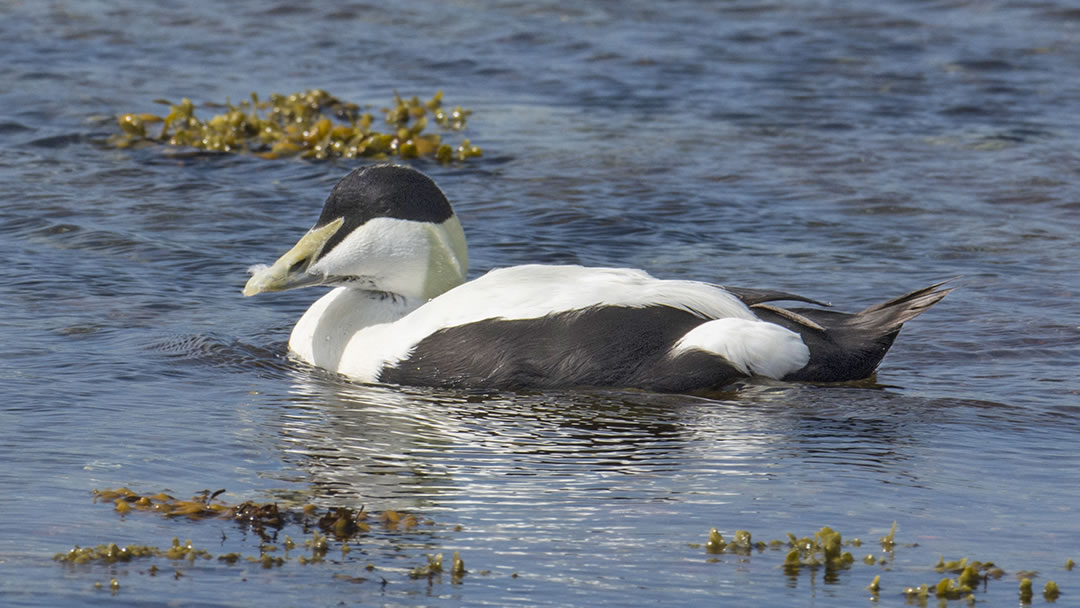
597	346
852	345
750	296
383	191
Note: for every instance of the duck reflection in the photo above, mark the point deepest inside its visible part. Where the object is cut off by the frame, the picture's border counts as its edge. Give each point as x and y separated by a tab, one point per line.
367	442
401	447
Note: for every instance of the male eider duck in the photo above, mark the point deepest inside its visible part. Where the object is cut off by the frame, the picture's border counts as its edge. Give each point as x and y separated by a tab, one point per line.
403	313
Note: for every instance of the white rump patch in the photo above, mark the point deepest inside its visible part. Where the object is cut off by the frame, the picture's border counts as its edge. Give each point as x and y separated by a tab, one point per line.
753	347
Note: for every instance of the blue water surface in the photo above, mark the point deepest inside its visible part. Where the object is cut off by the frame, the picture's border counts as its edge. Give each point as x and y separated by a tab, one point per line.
848	151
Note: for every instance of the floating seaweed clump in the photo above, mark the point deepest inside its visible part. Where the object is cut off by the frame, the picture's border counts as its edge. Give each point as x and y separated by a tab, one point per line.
107	554
434	567
431	568
1050	591
313	124
825	550
340	522
740	545
112	553
336	526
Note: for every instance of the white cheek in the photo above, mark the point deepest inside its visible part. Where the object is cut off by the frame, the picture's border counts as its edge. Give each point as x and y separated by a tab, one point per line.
393	254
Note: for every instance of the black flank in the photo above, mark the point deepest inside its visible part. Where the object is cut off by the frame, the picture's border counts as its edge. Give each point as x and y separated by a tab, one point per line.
597	346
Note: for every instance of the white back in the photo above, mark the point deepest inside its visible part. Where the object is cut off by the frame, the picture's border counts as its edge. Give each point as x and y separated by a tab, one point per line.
530	292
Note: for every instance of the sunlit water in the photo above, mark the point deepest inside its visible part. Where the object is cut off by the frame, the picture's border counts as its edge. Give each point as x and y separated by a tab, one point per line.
847	151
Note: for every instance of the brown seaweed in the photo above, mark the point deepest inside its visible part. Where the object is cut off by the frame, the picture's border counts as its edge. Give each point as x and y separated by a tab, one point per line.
311	124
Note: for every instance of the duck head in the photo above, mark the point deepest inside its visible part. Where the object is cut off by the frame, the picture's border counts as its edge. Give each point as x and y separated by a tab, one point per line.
385	228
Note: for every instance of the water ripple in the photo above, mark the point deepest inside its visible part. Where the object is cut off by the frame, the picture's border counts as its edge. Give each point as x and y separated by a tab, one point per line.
850	153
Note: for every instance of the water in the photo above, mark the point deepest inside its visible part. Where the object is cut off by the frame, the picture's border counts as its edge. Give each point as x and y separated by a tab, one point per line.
842	150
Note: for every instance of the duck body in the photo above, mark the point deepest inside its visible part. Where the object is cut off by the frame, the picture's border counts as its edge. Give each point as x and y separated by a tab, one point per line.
402	312
544	326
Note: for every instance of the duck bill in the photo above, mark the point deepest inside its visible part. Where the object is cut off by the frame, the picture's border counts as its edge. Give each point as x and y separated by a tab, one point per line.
291	270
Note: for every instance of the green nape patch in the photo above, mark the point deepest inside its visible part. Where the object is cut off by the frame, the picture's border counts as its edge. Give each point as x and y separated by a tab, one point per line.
824	550
312	124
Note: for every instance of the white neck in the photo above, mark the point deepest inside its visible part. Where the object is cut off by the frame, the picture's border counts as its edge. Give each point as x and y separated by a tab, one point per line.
321	335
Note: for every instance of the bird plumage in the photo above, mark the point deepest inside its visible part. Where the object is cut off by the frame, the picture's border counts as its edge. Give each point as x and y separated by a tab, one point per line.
403	313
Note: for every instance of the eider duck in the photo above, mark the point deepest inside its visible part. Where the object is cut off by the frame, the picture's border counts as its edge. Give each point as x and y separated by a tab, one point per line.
403	313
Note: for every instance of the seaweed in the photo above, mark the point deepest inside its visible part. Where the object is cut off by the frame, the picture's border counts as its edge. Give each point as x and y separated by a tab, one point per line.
432	568
262	518
1051	592
328	528
824	550
311	124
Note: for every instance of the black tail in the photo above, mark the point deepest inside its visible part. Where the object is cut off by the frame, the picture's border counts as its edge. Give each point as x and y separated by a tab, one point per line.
844	346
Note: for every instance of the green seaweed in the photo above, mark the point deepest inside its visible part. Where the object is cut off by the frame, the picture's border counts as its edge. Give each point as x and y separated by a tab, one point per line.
969	577
336	524
889	540
825	550
1051	591
457	567
311	124
950	589
108	554
345	528
431	568
716	543
344	523
919	593
1025	590
341	522
741	544
265	519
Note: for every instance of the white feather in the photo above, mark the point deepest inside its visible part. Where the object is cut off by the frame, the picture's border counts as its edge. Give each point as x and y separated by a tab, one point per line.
753	347
529	292
404	280
532	291
391	254
321	336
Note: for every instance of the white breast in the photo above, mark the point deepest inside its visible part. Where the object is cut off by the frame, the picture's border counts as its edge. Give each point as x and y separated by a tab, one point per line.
322	335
